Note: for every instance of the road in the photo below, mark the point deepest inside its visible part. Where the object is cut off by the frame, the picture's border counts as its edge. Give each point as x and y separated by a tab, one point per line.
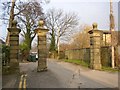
66	75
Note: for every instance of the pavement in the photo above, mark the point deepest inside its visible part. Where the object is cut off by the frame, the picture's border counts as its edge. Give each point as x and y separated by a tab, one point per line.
9	81
60	75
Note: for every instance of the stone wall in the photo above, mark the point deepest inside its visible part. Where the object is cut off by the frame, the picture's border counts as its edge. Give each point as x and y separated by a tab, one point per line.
106	56
84	54
79	54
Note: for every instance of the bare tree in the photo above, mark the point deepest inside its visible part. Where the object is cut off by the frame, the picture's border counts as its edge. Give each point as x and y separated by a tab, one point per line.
27	13
60	24
28	19
81	39
9	14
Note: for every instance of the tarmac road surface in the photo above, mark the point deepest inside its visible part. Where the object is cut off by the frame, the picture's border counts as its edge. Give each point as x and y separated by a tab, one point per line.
66	75
60	75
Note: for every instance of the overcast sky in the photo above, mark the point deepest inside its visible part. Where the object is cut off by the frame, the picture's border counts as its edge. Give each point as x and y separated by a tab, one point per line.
89	11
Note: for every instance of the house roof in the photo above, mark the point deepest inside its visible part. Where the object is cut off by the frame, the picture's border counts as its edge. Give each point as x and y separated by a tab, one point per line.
1	41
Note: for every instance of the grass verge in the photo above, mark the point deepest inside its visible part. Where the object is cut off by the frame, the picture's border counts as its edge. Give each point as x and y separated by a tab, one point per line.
109	69
82	63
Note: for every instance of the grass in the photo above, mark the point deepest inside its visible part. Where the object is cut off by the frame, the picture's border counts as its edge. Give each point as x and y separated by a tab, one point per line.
77	62
82	63
109	69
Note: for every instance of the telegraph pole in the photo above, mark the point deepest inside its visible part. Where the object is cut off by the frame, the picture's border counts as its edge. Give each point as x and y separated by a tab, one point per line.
10	21
112	29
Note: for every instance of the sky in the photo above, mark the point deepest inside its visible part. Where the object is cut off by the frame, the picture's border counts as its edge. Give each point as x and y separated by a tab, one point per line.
119	15
89	11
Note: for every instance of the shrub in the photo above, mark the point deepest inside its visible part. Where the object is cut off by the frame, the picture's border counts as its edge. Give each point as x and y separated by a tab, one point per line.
24	50
5	54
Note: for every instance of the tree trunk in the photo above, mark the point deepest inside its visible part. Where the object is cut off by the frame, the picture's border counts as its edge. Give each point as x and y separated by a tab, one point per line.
52	44
58	43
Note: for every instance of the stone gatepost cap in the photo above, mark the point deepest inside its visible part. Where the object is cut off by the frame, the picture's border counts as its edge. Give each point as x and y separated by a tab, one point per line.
41	23
95	25
14	23
14	27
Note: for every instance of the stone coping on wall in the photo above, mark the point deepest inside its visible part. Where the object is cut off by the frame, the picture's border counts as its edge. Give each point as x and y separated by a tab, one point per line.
78	49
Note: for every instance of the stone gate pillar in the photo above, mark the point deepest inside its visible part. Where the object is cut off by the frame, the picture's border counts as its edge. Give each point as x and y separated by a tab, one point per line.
95	47
42	48
14	45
